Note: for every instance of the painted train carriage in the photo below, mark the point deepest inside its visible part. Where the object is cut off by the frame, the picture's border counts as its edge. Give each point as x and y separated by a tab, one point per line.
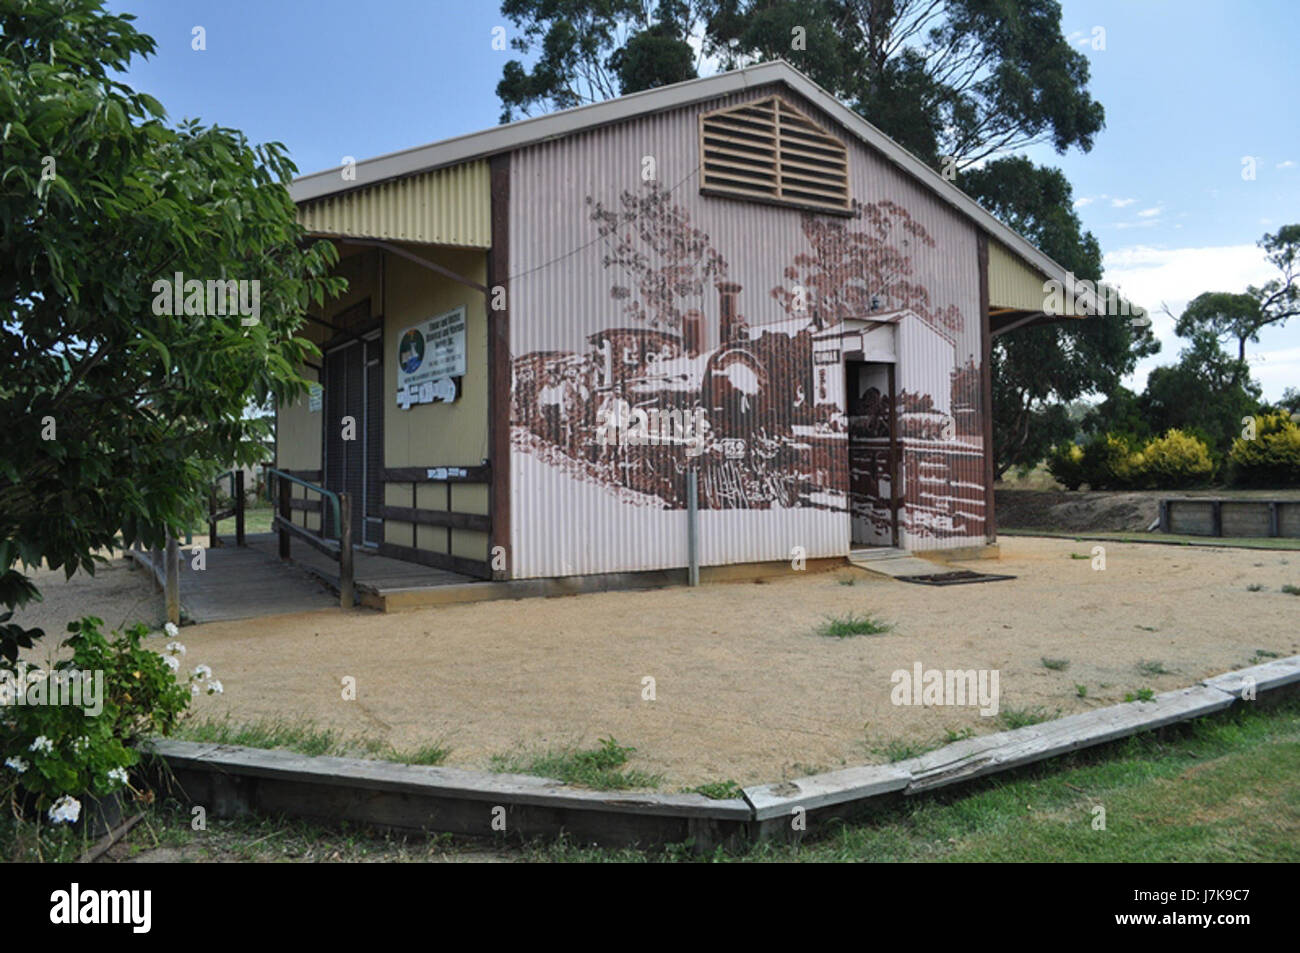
735	277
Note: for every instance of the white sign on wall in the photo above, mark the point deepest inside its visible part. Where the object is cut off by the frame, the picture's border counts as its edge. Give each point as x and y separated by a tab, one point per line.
429	354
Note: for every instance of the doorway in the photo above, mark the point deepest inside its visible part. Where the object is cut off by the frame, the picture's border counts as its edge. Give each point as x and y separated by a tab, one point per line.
354	456
873	453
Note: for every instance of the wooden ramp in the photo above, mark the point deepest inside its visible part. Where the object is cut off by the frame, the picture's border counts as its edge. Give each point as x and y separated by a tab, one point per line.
240	582
887	561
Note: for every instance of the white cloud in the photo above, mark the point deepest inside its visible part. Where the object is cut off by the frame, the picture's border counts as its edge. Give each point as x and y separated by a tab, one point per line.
1083	201
1153	277
1149	212
1286	164
1121	203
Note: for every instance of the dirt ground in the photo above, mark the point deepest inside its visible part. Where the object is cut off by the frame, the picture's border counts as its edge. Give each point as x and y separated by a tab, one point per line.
744	687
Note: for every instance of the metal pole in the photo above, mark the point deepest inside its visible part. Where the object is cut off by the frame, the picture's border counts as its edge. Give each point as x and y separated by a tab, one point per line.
692	527
285	511
173	593
345	550
239	507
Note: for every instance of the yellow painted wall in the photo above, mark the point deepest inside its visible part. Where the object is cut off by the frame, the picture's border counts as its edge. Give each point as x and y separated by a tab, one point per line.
426	435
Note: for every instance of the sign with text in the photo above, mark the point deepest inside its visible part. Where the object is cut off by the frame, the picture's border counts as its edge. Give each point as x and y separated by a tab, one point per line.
431	351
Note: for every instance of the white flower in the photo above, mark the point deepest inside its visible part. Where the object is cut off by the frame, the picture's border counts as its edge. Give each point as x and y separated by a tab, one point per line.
17	763
175	648
118	775
80	744
172	662
65	810
215	687
42	744
170	629
202	671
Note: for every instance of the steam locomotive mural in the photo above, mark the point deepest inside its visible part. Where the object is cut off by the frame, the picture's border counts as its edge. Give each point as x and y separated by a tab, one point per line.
763	415
659	331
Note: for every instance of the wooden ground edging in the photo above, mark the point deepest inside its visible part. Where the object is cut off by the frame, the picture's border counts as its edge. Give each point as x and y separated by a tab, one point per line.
839	793
230	780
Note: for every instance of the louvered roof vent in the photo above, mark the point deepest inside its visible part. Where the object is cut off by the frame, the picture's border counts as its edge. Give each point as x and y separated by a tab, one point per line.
768	151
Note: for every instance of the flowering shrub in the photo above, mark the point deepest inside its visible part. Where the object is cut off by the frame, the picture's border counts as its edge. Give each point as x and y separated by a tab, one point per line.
61	752
1174	461
1110	462
1272	459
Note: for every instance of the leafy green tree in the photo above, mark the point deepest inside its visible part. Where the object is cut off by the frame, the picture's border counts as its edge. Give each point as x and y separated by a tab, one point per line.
1120	413
1206	393
960	78
1239	317
1037	370
590	50
118	412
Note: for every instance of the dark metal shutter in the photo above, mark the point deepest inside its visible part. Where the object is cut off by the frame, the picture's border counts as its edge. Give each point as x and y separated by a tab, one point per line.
374	531
354	453
335	411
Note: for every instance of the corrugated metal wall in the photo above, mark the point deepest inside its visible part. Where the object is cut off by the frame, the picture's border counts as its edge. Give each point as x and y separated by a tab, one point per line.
1013	284
627	283
444	207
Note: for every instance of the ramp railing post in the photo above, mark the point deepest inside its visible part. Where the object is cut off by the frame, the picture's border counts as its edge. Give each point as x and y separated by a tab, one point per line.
173	588
345	550
286	491
239	507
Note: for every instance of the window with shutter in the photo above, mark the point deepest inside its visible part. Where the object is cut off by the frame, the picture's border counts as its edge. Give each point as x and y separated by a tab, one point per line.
769	151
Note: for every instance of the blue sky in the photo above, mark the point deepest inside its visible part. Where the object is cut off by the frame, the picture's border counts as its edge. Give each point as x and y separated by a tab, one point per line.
1191	88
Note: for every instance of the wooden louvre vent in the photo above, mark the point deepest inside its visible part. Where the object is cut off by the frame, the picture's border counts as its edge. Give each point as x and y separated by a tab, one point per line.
769	151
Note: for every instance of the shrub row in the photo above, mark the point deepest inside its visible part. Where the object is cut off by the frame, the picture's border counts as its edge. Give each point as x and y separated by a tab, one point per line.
1111	462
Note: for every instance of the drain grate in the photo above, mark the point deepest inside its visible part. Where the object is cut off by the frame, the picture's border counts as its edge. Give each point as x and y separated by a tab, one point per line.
956	578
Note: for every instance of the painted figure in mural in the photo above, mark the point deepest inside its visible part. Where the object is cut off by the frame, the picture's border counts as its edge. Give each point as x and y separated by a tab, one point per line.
549	400
574	399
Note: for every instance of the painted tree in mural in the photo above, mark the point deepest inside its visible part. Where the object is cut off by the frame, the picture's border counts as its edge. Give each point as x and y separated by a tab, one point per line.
852	272
668	261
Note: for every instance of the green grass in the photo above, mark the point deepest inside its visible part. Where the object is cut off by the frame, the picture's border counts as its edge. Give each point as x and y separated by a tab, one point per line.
1021	717
1056	664
841	627
1081	691
306	737
718	790
898	750
1220	789
1291	590
1254	587
1152	669
1142	695
599	768
257	519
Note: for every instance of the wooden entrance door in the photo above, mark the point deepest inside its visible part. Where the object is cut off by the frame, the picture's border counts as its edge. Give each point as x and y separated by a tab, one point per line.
354	451
872	454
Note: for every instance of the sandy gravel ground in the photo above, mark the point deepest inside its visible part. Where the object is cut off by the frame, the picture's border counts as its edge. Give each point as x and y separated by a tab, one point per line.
744	688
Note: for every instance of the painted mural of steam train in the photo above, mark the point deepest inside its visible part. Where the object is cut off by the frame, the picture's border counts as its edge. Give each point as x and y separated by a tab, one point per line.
758	412
736	406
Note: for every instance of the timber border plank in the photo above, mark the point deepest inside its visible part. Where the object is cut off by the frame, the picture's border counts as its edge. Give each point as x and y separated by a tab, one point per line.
232	780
